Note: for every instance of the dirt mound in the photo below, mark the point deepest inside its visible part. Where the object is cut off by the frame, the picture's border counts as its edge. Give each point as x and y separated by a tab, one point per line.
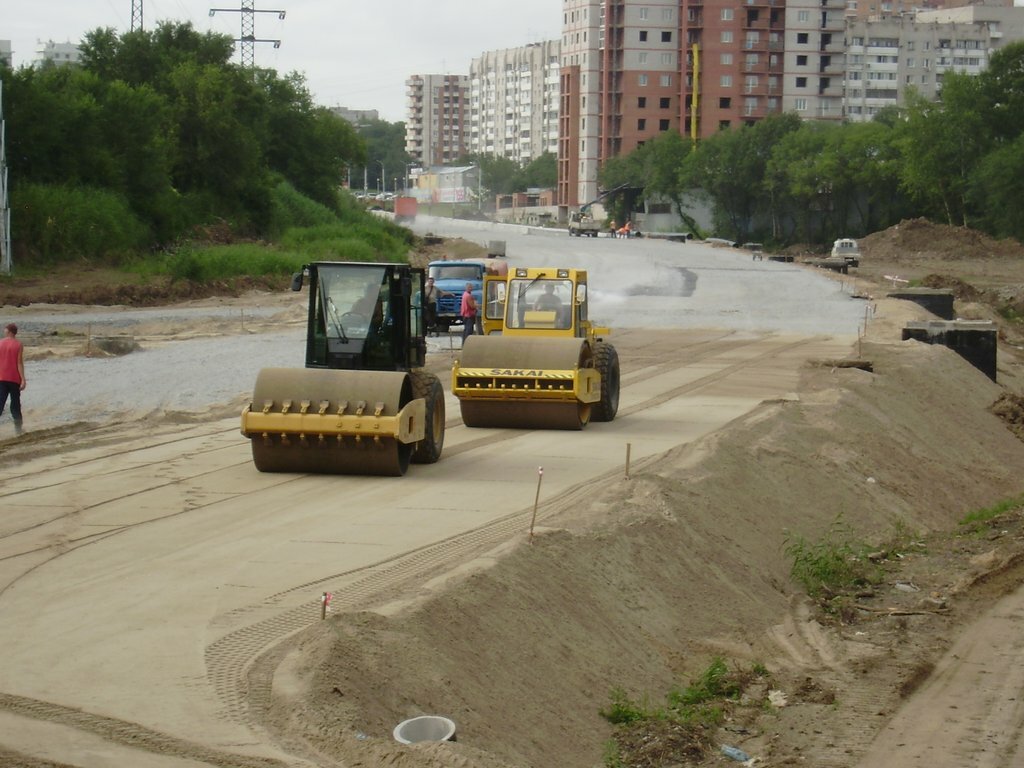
920	239
685	561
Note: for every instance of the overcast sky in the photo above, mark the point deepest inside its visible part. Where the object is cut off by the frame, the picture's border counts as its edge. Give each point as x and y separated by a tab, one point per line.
354	53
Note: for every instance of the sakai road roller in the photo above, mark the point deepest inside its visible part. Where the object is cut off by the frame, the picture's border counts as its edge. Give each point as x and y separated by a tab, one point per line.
541	363
362	405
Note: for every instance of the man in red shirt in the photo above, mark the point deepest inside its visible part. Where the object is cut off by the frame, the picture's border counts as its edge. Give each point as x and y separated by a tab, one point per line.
12	373
468	312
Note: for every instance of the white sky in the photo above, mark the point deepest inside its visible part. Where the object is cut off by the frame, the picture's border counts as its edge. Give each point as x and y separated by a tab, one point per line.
354	53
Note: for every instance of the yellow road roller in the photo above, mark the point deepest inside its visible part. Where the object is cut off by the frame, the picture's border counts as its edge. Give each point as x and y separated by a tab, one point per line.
362	405
541	363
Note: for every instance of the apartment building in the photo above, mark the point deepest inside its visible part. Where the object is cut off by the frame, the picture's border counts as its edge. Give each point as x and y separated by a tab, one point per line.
356	116
814	54
632	69
622	83
437	115
513	102
887	57
56	53
6	55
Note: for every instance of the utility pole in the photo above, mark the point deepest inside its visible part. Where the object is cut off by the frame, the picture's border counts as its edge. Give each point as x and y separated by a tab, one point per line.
248	37
5	210
136	15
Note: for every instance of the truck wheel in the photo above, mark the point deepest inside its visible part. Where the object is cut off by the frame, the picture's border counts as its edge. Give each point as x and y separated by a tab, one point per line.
606	360
428	386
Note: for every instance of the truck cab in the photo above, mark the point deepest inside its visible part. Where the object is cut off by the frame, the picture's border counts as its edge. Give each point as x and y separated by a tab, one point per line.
848	250
450	278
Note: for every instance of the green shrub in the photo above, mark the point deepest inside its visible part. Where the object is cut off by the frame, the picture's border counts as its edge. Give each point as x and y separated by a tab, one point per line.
831	565
60	223
978	520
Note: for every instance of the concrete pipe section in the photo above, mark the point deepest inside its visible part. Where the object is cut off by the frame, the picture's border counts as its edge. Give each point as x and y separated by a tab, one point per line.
425	728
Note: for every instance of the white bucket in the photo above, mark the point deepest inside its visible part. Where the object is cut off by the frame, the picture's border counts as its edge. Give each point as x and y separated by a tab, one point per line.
425	728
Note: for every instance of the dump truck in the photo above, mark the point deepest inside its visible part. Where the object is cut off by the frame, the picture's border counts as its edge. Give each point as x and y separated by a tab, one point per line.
540	363
362	405
583	225
405	210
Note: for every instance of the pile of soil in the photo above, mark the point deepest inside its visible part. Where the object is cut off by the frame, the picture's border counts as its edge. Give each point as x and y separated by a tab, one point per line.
918	240
639	583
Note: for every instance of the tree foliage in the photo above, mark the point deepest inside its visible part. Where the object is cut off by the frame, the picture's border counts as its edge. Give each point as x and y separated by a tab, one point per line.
164	120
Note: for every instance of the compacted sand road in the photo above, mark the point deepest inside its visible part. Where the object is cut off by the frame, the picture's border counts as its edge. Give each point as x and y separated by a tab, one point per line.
140	577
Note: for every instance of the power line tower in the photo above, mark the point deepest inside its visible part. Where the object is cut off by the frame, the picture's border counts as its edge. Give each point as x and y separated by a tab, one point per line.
136	15
248	38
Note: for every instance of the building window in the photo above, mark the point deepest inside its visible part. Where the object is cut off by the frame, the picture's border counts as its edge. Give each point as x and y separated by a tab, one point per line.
642	57
725	81
643	35
665	102
665	80
803	16
724	102
801	61
641	124
800	105
666	36
663	125
668	58
641	102
642	80
726	36
668	14
802	38
725	59
910	63
801	82
727	14
910	45
643	14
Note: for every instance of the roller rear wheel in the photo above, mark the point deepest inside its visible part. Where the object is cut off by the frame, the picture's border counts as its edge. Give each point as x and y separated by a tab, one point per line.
606	361
428	386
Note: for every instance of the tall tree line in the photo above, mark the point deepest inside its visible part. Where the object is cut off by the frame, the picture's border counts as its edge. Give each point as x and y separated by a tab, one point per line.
161	122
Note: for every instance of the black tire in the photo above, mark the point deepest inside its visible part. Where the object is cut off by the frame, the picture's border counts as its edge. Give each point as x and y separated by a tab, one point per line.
606	360
428	386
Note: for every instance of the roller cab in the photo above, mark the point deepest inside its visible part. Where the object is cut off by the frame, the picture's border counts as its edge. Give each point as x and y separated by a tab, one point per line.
361	405
541	364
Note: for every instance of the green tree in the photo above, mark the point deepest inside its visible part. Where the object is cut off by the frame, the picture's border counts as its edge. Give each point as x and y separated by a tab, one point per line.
539	173
997	187
385	143
942	143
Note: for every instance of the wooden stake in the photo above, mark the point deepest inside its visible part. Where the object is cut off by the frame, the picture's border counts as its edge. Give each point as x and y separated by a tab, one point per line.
629	448
536	499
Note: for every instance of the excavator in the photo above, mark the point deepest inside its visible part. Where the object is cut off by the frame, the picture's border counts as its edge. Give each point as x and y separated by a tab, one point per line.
540	363
362	405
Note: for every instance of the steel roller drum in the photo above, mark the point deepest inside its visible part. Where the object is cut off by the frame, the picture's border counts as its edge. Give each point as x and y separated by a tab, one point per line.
370	401
511	410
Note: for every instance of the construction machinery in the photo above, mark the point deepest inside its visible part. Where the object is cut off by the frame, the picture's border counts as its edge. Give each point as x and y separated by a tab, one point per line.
363	404
541	363
582	222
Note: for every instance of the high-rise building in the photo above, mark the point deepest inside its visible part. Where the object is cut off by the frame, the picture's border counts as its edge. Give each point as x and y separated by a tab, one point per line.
886	57
814	54
633	69
437	116
513	98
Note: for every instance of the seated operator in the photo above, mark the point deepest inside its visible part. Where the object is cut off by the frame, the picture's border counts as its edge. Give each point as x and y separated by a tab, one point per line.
369	306
548	301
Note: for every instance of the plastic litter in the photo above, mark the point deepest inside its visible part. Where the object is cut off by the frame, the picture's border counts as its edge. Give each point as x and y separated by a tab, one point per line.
735	753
